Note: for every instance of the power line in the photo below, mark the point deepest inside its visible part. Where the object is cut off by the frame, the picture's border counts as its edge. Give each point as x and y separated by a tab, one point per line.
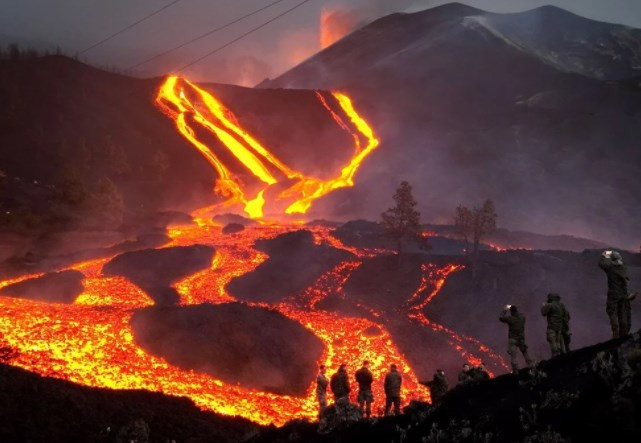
147	17
206	34
199	59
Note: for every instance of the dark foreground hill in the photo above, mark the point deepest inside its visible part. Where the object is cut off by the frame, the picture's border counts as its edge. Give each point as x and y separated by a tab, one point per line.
538	111
592	394
41	409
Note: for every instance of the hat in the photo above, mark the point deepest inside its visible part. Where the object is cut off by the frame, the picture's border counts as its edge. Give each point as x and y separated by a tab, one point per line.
616	258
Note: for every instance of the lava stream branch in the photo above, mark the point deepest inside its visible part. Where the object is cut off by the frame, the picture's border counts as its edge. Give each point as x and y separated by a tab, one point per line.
175	100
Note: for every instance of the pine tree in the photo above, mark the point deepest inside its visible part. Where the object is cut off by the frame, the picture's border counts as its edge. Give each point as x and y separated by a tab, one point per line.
402	222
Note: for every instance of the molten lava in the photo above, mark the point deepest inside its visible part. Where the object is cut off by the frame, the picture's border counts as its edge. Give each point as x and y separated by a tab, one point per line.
91	341
193	109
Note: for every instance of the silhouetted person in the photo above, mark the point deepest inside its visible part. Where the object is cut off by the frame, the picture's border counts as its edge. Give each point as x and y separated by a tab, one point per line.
555	313
321	389
565	332
516	335
365	397
393	382
479	373
618	300
438	386
465	375
340	386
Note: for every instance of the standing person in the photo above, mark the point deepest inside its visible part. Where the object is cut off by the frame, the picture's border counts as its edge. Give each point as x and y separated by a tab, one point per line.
565	331
339	383
480	373
466	374
554	312
438	386
365	397
321	389
618	300
393	381
516	335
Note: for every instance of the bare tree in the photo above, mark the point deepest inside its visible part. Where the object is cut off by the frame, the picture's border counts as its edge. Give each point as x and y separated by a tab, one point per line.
474	224
402	222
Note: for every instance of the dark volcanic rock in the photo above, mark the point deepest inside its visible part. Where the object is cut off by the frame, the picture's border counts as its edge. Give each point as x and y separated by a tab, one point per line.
42	409
383	282
255	347
294	263
233	228
154	270
234	218
338	415
362	233
324	223
55	287
369	234
508	239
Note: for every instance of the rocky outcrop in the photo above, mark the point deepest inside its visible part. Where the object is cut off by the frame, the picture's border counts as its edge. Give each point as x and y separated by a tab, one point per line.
154	270
55	287
233	228
255	347
294	263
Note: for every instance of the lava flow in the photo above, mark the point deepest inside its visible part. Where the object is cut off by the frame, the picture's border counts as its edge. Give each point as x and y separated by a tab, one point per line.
92	342
192	108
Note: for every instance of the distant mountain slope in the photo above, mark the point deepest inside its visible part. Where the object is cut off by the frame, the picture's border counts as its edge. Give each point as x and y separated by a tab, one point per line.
470	105
569	42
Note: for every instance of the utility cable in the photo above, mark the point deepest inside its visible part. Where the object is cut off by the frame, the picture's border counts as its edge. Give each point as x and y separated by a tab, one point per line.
251	31
147	17
206	34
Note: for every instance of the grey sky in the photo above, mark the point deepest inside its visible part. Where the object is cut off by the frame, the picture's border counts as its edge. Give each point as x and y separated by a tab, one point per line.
75	24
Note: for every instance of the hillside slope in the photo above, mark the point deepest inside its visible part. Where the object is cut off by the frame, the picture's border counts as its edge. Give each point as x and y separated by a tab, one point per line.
35	408
471	105
593	394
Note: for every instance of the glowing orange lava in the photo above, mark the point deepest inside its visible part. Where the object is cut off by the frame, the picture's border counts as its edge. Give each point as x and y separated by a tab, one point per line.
91	341
192	108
